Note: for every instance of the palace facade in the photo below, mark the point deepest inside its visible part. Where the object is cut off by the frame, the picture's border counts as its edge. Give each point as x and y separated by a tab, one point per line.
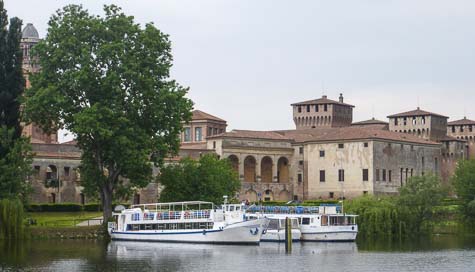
326	156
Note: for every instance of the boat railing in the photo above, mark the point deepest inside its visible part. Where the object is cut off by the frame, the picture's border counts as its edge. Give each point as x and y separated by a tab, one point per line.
290	209
171	215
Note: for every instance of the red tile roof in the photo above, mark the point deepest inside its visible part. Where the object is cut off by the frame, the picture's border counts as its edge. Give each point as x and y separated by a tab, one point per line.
267	135
416	112
371	121
463	121
351	133
323	100
201	115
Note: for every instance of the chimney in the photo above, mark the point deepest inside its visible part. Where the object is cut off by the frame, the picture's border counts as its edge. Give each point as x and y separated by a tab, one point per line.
324	96
341	98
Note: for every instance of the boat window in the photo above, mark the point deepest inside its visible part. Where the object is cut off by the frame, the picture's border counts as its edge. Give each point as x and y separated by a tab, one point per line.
231	208
325	220
238	208
305	221
295	223
273	224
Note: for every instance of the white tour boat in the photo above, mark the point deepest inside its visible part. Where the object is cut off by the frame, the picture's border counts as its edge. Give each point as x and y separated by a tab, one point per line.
322	223
188	222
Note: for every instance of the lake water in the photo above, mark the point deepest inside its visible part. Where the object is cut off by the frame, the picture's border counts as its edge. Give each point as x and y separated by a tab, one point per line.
443	253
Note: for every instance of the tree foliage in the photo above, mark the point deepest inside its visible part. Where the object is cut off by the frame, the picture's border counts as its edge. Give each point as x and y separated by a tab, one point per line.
464	185
408	214
15	151
106	79
417	200
11	219
208	179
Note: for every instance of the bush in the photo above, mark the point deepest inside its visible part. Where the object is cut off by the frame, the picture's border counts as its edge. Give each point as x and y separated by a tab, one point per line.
11	219
92	207
54	207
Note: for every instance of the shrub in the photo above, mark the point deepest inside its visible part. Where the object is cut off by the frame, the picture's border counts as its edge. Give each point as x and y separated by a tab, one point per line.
11	219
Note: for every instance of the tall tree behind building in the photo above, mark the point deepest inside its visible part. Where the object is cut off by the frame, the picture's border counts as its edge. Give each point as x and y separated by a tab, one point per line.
15	151
106	80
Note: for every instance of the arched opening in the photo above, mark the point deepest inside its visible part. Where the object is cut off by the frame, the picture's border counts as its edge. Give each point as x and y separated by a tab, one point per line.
266	169
251	195
137	199
51	172
82	198
250	169
283	170
284	195
268	195
52	198
233	159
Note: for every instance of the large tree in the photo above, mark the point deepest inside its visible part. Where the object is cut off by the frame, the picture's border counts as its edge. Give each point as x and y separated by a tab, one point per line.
106	79
417	199
464	184
15	151
207	179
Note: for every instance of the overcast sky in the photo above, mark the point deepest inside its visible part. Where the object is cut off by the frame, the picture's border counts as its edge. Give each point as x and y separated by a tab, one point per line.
246	61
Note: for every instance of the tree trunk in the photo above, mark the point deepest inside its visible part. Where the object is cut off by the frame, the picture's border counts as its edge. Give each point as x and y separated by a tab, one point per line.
106	199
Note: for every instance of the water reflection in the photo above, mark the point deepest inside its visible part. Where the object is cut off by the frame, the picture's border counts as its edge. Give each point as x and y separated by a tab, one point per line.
434	254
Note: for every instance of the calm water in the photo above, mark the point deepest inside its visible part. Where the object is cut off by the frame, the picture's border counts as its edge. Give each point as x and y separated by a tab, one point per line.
436	254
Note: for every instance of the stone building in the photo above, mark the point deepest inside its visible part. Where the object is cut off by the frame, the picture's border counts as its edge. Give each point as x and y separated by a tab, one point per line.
29	39
322	112
464	129
421	123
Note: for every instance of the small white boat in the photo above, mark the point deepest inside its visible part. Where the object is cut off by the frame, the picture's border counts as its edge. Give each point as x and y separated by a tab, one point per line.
187	222
322	223
275	231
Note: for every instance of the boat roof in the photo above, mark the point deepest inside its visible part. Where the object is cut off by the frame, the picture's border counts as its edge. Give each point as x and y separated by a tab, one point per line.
172	203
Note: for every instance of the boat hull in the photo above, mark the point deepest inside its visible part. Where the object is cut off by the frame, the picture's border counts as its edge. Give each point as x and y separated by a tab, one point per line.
336	236
279	235
248	232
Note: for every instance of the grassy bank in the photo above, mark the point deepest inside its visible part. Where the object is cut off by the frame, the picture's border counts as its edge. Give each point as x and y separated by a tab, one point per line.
59	219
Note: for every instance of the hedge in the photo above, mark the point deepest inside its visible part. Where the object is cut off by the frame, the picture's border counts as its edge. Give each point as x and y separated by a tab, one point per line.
67	207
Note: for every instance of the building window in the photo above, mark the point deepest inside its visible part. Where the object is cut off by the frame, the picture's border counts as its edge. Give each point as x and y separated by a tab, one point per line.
365	192
412	148
316	108
412	172
325	107
377	174
365	175
436	164
300	150
423	120
308	108
210	131
395	121
37	171
299	178
322	175
453	129
66	171
299	109
214	144
187	134
331	194
405	121
300	162
341	175
365	144
470	128
414	120
384	174
390	178
322	153
340	145
198	135
402	146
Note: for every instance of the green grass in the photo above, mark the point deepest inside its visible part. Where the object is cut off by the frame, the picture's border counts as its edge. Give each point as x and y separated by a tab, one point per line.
61	219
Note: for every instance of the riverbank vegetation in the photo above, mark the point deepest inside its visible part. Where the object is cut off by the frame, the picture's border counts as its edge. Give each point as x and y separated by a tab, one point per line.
206	179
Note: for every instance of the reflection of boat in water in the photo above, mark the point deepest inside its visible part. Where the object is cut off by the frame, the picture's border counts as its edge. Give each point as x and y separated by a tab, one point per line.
189	222
319	223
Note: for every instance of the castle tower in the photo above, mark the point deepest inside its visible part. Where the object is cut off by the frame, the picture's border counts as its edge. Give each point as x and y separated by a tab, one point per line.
421	123
322	112
29	39
464	129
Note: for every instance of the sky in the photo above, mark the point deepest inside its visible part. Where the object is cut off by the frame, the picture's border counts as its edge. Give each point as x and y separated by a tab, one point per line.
246	61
